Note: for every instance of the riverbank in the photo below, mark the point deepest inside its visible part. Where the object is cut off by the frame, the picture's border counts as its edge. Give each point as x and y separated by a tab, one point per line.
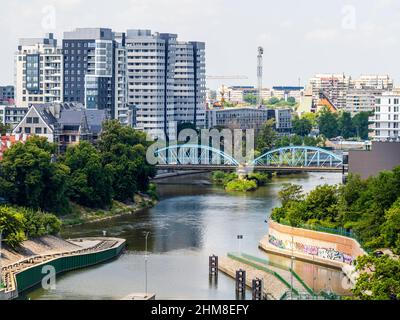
83	215
22	267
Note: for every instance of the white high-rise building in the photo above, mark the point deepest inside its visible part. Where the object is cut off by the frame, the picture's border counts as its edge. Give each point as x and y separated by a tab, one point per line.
189	83
150	72
38	71
385	123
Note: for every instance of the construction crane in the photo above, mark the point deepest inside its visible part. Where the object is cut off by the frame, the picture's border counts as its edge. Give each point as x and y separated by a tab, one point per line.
259	74
226	77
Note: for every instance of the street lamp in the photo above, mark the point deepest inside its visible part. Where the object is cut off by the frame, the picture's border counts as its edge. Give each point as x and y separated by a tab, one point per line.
146	234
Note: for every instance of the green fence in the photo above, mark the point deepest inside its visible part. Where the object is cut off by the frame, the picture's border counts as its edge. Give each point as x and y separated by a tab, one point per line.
339	231
32	276
265	269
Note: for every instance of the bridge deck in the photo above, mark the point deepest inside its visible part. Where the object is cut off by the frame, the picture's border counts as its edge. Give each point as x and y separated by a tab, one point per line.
215	167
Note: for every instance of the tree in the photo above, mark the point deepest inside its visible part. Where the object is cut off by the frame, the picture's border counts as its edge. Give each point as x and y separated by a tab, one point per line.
90	182
250	98
273	100
302	126
266	136
379	278
390	229
290	193
322	203
310	116
361	123
345	125
327	123
29	178
4	128
123	152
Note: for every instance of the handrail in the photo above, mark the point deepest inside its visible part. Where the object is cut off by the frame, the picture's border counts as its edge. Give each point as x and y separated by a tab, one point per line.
254	265
263	261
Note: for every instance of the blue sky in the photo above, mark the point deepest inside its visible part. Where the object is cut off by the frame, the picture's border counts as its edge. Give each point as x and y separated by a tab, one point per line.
300	38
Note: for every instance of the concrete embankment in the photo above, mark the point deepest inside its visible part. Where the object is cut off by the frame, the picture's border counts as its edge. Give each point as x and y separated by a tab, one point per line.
23	269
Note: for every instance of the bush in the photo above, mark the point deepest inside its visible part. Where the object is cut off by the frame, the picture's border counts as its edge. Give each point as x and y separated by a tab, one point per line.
242	185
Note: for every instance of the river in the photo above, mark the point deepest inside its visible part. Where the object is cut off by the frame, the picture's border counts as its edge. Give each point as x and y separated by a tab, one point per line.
191	221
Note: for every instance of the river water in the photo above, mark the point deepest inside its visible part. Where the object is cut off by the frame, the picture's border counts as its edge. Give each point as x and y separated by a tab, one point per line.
192	221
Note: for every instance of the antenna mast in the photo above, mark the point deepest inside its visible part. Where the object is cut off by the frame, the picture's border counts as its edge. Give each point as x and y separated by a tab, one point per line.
259	74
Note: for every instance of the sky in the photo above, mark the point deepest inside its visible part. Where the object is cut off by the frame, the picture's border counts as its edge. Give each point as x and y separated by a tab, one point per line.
300	38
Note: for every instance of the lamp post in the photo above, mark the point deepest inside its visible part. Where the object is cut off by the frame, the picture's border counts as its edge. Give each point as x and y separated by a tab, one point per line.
239	237
146	234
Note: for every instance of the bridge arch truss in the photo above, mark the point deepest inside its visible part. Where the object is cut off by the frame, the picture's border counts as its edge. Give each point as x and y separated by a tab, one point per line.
194	154
299	156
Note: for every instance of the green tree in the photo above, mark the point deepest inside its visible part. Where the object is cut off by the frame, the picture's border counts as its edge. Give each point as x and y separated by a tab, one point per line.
390	229
302	126
361	123
290	193
266	136
322	203
345	125
273	100
250	98
29	178
328	124
379	278
90	182
4	128
12	225
123	152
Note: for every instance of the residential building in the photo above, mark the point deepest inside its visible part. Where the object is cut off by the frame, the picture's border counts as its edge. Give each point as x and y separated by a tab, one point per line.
64	124
385	122
250	118
359	100
12	115
89	68
7	141
334	86
285	92
38	71
236	94
189	83
377	82
6	94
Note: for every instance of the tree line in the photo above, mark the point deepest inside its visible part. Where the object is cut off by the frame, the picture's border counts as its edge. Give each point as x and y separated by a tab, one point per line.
369	208
90	175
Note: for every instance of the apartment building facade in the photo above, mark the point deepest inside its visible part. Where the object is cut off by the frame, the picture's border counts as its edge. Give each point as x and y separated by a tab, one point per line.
385	123
6	94
39	71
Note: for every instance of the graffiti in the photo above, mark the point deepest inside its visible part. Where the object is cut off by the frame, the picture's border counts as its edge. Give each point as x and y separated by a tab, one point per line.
324	253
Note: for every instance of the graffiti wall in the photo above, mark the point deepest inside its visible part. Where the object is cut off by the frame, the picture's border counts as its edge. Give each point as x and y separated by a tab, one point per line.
324	253
318	244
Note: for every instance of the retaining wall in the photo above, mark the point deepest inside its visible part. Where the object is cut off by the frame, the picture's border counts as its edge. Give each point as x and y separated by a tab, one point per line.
330	249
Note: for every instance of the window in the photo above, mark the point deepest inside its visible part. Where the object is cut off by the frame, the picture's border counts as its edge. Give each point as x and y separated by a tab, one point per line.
29	120
38	130
27	130
45	130
35	120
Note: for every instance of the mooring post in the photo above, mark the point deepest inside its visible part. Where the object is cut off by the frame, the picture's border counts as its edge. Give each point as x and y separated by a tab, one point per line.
256	289
213	265
241	281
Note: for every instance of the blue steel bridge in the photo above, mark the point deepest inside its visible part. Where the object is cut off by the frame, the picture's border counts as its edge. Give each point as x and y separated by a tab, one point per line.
285	159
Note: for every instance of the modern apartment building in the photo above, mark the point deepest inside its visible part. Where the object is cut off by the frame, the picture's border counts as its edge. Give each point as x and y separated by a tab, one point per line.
285	92
250	118
377	82
150	73
38	71
190	83
6	94
89	68
385	123
236	94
